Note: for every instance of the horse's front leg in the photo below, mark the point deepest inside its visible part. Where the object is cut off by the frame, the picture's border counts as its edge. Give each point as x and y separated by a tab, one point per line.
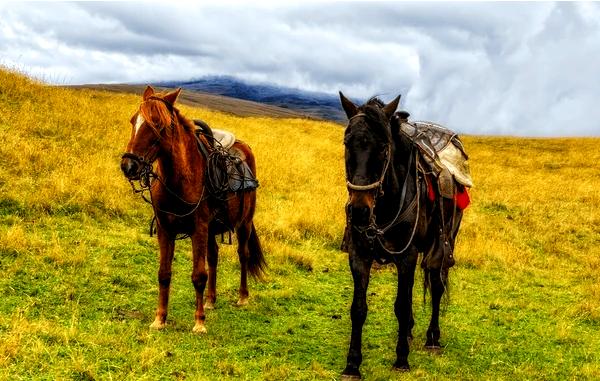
437	290
167	248
361	268
199	274
403	308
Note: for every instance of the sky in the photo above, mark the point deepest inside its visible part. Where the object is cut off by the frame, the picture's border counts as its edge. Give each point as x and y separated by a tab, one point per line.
494	68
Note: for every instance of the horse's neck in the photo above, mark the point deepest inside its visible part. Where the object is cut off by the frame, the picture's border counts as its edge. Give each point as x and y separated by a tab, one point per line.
180	165
401	167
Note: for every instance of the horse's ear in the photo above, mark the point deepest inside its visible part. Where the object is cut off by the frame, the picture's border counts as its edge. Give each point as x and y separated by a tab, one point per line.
348	106
391	107
172	96
148	92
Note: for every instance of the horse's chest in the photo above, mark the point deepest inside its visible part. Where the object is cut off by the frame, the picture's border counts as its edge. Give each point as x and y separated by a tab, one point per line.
176	224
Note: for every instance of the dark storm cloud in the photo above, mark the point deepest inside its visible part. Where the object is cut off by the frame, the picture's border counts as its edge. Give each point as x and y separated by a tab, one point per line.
511	68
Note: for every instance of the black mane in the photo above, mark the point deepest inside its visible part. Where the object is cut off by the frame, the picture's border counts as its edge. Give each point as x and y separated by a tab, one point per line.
373	110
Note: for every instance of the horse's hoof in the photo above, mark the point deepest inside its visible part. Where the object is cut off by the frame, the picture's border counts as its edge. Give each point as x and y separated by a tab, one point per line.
199	329
401	366
242	302
209	305
350	373
158	325
433	347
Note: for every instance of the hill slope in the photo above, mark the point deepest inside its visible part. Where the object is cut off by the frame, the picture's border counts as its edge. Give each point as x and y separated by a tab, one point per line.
79	270
231	105
318	105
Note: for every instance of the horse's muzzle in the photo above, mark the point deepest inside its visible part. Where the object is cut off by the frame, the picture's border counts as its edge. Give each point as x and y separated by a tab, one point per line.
359	216
131	168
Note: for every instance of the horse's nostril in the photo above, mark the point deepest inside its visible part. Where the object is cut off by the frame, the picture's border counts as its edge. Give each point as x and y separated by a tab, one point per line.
359	216
129	167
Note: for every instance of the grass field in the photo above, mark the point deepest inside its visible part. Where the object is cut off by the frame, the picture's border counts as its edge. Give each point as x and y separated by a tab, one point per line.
78	269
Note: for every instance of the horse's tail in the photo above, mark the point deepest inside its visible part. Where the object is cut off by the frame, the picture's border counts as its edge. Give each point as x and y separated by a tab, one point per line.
436	278
256	260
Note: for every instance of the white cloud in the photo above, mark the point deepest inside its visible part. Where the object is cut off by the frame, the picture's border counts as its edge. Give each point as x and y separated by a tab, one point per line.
510	68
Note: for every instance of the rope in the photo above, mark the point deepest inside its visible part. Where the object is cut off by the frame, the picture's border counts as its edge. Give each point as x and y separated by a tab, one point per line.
218	177
372	232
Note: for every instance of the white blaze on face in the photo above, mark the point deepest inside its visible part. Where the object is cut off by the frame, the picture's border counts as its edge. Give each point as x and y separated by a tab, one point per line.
138	123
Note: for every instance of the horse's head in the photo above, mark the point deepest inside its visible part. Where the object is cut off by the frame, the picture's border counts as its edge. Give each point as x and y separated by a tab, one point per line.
368	142
152	121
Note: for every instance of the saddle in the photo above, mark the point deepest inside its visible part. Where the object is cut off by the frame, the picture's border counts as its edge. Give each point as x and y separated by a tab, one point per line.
227	170
442	152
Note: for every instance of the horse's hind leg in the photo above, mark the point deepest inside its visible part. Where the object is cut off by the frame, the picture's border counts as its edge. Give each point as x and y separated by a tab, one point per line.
437	280
199	274
167	248
213	260
403	308
243	234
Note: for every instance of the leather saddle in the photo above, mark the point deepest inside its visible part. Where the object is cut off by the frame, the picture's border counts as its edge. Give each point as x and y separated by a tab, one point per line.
227	171
442	150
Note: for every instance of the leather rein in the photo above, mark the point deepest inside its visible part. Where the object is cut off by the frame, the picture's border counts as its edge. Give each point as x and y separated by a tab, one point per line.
374	233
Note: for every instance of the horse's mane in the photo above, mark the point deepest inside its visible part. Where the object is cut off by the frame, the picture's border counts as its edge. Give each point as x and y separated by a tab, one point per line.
373	110
375	101
158	112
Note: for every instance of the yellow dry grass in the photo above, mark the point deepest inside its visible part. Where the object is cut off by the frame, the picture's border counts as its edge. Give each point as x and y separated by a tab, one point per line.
61	151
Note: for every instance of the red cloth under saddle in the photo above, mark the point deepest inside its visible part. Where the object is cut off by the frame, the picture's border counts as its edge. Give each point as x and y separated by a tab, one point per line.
461	198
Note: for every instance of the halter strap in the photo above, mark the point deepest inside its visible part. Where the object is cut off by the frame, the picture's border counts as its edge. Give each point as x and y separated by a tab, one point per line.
363	187
357	115
378	183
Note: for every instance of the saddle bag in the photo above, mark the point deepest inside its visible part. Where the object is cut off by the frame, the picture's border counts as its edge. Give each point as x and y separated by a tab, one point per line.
226	170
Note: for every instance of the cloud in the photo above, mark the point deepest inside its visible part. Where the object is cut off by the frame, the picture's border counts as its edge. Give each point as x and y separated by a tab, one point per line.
479	68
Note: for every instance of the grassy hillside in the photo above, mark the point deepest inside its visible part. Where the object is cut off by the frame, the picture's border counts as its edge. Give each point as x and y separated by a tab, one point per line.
78	268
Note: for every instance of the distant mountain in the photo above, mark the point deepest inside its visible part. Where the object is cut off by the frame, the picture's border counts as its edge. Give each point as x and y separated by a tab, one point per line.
230	105
313	104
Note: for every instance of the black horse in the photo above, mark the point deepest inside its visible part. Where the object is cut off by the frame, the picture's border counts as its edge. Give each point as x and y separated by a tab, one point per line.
390	219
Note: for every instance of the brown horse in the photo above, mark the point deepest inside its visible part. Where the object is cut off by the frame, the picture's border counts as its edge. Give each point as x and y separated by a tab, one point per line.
160	134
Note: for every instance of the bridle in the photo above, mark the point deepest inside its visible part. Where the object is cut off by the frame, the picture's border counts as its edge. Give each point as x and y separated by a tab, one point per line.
374	233
379	183
142	160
